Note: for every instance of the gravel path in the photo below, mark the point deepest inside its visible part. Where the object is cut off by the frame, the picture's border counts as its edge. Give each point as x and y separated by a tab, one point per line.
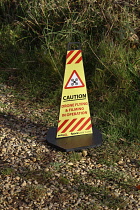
35	176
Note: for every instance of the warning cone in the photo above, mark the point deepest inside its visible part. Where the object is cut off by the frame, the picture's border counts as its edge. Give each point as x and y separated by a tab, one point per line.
75	130
74	116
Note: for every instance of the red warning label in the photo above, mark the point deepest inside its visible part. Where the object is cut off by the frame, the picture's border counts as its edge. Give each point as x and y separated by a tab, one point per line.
74	81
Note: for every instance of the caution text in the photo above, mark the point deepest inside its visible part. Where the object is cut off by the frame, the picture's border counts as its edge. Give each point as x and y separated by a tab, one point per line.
74	97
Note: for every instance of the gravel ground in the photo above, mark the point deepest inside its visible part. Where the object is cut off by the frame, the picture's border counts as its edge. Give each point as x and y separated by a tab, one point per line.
35	176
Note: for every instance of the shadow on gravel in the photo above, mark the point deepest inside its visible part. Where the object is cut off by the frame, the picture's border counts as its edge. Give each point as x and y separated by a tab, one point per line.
26	127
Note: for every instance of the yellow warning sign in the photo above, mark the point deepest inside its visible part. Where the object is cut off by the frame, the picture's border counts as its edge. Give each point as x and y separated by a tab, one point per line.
74	116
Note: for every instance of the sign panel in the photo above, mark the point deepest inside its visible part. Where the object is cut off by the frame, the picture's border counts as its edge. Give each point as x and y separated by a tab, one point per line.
74	116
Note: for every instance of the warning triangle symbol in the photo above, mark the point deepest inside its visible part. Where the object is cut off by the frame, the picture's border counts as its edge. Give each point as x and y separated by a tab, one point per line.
74	81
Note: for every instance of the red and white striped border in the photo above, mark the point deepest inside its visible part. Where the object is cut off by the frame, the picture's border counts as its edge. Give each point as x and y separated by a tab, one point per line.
72	125
74	56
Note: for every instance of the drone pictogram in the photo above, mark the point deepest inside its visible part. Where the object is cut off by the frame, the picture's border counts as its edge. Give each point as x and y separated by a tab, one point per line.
74	81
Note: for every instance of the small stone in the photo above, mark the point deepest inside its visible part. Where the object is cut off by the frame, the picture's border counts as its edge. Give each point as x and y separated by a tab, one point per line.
78	201
116	194
7	185
29	140
120	162
34	159
29	182
70	164
35	182
99	166
46	169
49	193
23	184
17	178
25	135
3	150
84	153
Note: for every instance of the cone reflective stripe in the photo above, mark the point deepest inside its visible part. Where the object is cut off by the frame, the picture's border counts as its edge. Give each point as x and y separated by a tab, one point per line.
74	56
74	116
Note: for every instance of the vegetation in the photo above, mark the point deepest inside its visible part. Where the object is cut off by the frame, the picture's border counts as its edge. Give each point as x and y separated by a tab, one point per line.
33	38
33	192
6	171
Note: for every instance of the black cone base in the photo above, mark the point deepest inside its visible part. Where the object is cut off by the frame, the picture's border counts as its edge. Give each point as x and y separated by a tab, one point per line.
74	143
